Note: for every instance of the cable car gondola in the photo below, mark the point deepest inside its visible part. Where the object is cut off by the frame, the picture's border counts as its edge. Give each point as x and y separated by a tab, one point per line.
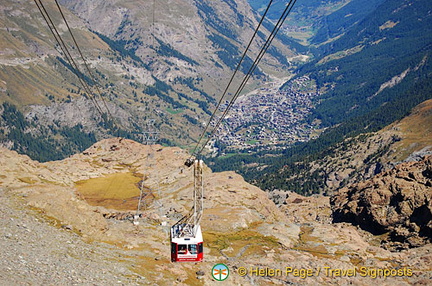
186	247
186	236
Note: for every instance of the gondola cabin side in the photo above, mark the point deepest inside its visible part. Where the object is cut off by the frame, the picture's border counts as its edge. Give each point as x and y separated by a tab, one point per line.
186	247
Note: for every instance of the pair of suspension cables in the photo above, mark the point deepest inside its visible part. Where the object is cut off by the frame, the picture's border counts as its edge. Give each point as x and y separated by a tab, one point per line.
200	146
74	65
202	142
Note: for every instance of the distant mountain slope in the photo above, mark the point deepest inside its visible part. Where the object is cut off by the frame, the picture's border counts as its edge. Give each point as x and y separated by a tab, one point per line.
375	62
340	21
317	22
361	157
168	62
200	39
370	77
305	19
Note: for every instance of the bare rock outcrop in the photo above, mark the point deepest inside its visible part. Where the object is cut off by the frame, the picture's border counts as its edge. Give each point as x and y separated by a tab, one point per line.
397	202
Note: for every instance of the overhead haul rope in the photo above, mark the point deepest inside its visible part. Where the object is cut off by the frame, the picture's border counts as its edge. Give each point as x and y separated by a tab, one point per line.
263	50
93	78
149	140
232	77
69	58
65	51
267	44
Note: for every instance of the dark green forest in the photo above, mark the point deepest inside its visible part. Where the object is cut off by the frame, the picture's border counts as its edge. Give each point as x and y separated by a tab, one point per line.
40	145
38	142
351	104
352	81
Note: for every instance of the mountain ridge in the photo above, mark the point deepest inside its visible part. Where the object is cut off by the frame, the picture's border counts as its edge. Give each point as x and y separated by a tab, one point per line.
240	224
144	65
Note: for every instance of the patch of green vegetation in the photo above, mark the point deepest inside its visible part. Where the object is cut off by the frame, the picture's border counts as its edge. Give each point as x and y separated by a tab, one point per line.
228	155
191	83
79	74
252	142
120	46
168	51
174	111
230	54
206	12
41	145
341	54
191	119
161	90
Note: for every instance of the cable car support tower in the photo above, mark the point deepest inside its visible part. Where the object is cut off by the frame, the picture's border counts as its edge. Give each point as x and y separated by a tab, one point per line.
186	236
150	137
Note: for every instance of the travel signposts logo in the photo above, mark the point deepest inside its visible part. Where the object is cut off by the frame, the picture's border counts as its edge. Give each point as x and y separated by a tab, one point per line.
220	272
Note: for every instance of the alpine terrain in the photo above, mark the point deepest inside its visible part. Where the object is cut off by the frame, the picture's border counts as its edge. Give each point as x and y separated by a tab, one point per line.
313	120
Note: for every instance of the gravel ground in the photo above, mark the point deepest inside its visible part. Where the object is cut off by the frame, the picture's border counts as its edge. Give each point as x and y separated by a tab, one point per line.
34	252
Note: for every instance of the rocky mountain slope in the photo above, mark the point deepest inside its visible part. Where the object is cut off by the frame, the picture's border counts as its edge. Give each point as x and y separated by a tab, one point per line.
168	61
362	157
396	202
77	212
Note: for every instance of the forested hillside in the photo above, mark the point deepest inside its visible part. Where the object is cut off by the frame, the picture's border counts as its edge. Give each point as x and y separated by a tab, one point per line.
370	77
374	62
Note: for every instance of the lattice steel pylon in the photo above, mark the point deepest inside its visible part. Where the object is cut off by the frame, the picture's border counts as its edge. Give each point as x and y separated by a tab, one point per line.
188	225
150	137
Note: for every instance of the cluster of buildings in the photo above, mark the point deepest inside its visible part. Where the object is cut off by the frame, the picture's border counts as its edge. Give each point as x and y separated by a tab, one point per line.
270	116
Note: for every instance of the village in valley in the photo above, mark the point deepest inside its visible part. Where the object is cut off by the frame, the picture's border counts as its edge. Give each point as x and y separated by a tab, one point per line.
270	117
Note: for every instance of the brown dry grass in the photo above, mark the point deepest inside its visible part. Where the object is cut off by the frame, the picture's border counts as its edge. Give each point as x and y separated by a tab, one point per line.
118	191
416	130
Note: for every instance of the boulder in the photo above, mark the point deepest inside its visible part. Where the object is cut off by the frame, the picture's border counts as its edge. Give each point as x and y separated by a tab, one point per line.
397	202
